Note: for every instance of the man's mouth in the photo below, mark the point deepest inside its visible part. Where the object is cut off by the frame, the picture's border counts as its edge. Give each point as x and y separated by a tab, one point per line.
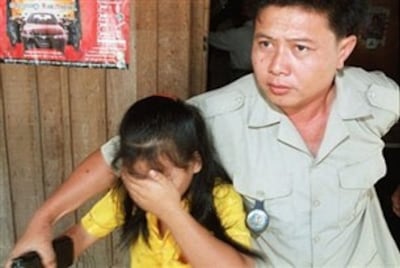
278	89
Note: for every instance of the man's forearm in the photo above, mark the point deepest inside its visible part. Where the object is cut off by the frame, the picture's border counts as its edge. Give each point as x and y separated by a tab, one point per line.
91	177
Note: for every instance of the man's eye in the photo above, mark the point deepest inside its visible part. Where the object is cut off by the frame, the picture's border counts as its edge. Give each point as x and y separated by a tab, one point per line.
265	43
301	48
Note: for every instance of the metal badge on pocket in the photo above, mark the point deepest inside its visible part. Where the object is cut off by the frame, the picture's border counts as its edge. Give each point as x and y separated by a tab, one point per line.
257	218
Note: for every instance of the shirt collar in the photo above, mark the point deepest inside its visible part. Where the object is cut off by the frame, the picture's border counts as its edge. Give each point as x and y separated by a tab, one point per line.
350	102
263	113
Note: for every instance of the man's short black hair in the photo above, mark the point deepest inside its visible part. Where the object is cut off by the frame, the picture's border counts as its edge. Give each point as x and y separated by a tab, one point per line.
345	17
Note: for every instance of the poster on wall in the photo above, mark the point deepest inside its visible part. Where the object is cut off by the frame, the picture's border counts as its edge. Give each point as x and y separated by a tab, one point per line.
80	33
373	35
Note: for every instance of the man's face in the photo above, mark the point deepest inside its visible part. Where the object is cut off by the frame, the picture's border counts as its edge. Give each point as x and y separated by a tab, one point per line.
295	56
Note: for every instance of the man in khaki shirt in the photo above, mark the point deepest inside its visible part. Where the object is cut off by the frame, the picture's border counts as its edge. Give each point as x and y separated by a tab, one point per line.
323	208
302	137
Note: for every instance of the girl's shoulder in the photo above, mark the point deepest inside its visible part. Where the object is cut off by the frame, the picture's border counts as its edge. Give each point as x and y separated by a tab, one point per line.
230	209
225	193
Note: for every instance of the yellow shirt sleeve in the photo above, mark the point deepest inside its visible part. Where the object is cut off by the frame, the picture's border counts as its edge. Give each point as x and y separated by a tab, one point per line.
230	208
105	215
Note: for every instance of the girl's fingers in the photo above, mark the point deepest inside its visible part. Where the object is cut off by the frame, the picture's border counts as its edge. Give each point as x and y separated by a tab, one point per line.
155	175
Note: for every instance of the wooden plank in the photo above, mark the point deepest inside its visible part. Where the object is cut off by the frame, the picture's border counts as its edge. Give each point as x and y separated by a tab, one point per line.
88	128
200	10
173	47
55	131
121	92
66	125
146	12
52	136
23	141
87	100
121	86
6	219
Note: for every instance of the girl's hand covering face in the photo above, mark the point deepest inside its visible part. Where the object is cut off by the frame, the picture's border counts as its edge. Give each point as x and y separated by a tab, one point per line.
155	193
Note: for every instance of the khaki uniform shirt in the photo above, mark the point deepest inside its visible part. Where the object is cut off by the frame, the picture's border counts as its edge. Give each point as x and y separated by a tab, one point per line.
324	211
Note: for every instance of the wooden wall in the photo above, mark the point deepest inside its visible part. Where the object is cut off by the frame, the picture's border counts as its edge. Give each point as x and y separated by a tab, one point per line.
51	118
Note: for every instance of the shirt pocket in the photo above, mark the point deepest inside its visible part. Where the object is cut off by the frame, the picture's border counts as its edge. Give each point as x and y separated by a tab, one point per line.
276	194
356	182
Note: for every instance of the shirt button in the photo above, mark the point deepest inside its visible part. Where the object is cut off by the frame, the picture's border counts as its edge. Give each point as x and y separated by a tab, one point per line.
316	239
260	194
371	94
316	203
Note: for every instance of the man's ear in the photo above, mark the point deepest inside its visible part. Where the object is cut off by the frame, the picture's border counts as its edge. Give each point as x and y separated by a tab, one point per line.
346	47
197	162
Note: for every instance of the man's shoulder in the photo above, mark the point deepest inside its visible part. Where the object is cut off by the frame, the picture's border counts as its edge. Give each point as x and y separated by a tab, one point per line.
364	79
378	93
227	98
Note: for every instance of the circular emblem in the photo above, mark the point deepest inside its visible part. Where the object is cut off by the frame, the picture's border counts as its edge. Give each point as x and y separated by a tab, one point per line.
257	219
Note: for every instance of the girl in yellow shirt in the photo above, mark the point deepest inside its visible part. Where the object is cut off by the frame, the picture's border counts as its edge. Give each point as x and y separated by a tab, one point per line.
175	203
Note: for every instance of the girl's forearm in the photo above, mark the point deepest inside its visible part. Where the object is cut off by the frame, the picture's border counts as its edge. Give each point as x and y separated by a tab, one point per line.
200	247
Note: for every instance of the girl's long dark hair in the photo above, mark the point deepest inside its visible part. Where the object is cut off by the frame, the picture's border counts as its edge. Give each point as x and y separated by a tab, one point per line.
157	126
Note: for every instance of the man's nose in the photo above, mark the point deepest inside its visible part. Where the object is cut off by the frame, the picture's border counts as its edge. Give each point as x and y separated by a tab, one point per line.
279	64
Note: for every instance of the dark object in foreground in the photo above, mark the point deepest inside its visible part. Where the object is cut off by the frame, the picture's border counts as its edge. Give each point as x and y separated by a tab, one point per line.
63	248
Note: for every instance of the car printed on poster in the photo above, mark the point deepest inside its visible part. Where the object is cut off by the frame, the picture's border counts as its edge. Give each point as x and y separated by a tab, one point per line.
42	30
67	13
97	33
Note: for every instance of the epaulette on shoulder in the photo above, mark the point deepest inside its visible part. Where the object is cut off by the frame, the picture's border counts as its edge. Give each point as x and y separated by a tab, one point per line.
380	90
359	76
218	102
384	97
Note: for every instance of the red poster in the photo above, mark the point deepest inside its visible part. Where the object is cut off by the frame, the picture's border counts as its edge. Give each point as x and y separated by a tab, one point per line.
84	33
